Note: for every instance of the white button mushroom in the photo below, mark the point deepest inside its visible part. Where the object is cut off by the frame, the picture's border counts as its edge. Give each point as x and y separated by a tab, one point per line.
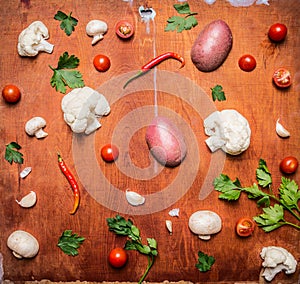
34	127
23	244
96	29
204	223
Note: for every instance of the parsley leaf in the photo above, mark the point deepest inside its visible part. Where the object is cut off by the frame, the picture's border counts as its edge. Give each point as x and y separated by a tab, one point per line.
68	22
271	219
63	76
12	154
218	93
205	262
263	175
69	242
289	193
182	8
181	23
123	227
231	190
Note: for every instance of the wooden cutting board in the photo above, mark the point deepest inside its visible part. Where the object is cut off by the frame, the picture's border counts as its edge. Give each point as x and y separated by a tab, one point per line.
182	95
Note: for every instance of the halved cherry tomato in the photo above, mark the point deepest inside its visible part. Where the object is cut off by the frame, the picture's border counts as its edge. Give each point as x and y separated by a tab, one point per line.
11	93
247	63
282	78
101	62
289	165
245	227
124	29
117	257
109	153
277	32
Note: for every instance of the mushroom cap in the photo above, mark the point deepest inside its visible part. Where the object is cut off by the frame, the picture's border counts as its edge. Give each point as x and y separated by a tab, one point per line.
205	223
95	27
23	244
34	124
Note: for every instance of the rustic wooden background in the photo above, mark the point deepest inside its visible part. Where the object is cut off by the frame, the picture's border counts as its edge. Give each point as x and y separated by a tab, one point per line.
252	94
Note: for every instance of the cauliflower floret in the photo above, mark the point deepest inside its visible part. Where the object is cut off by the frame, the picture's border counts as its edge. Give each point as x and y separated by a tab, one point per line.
228	130
32	40
82	107
277	259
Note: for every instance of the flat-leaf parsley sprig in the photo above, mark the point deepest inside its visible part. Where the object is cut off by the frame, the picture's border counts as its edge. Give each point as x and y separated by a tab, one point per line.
120	226
63	75
181	23
273	216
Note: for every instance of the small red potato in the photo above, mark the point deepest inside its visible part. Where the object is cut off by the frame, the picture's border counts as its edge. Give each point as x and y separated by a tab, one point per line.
166	142
212	46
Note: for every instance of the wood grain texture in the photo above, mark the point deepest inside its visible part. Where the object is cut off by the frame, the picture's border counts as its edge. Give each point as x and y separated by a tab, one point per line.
252	94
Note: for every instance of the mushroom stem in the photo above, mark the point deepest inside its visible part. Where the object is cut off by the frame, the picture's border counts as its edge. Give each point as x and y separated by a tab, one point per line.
96	38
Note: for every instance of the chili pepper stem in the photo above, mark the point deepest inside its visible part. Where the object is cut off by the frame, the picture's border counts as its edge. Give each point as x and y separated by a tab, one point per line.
138	74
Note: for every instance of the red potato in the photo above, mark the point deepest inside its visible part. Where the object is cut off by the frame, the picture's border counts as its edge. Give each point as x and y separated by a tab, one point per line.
166	142
212	46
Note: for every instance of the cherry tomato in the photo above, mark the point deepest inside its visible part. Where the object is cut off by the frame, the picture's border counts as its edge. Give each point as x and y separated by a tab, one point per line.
109	153
277	32
124	29
11	93
117	257
101	62
245	227
247	63
289	165
282	78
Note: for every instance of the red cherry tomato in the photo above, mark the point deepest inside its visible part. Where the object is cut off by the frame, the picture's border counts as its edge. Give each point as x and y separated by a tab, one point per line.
282	78
277	32
11	93
245	227
109	153
117	257
247	63
289	165
101	62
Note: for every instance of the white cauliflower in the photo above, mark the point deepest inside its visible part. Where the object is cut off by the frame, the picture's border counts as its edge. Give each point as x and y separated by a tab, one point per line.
228	130
82	107
277	259
32	40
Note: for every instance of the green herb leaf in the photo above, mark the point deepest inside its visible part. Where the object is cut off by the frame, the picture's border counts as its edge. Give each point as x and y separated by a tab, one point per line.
63	76
289	193
231	190
254	192
218	93
68	22
69	242
190	22
175	23
12	154
271	218
182	8
205	262
263	175
179	24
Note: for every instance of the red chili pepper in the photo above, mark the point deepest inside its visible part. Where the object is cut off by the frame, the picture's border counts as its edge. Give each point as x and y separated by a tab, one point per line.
72	182
155	61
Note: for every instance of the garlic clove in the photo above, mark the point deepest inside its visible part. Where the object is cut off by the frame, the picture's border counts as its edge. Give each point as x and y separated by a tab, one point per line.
25	172
169	226
174	212
134	198
28	200
281	131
